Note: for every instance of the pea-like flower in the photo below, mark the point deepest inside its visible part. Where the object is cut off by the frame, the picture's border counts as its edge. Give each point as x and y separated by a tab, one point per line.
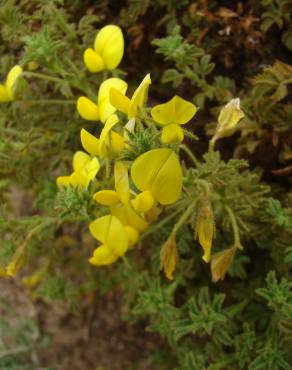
171	115
158	173
228	119
108	50
7	89
85	169
103	109
110	143
131	106
109	231
119	201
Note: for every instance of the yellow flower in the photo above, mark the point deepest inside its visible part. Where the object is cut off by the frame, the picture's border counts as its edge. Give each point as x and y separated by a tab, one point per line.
85	169
109	231
171	115
122	194
110	143
159	172
108	50
7	90
119	201
228	119
205	228
103	109
131	106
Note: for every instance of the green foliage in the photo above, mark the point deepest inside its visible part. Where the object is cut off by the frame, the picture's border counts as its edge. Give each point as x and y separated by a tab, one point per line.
207	52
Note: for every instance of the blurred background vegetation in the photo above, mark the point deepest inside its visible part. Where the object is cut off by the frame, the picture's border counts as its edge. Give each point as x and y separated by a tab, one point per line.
206	51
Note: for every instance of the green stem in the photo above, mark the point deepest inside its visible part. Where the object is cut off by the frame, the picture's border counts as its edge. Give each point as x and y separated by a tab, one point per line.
234	225
49	101
190	154
42	76
204	184
184	217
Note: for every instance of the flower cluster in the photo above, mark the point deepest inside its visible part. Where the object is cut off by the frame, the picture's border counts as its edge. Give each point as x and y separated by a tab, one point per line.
138	189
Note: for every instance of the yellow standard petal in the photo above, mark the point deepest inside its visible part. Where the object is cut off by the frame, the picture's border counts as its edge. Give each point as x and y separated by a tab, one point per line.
158	171
89	142
103	256
139	97
119	101
106	197
109	43
93	61
122	182
110	232
171	134
106	109
80	160
143	201
177	110
87	109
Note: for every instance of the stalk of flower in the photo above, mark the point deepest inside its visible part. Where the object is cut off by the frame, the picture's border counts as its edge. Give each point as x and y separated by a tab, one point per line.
7	89
128	106
102	109
85	170
108	50
171	115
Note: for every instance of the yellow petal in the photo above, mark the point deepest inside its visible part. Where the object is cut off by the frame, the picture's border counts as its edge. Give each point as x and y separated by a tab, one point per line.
117	143
177	110
93	61
106	109
158	171
133	235
87	109
63	181
89	142
110	123
119	101
172	133
12	77
169	256
122	182
139	97
103	256
4	96
79	178
109	43
228	118
106	197
80	160
110	231
92	169
128	217
143	201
